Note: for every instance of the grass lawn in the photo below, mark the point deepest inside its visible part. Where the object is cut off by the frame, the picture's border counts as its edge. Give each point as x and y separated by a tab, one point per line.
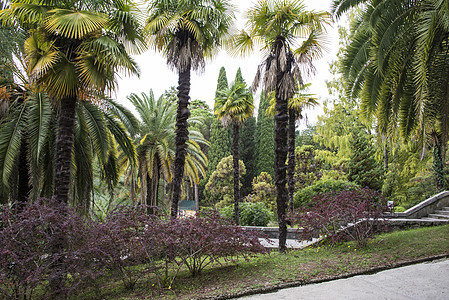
295	266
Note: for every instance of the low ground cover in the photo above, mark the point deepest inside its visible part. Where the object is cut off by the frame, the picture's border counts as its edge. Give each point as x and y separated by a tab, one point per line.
296	266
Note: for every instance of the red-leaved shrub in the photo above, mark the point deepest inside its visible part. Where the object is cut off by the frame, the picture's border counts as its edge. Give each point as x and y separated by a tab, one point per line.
48	242
29	257
340	216
205	239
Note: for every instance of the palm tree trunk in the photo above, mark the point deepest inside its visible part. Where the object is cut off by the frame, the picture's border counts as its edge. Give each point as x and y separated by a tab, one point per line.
133	189
235	159
281	147
182	135
152	190
291	157
197	200
64	145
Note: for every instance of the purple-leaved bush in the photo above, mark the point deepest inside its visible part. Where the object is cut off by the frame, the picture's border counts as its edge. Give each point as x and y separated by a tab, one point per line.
341	216
128	245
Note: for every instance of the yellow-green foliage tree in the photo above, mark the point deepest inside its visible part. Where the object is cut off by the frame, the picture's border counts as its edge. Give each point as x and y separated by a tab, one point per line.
219	188
263	191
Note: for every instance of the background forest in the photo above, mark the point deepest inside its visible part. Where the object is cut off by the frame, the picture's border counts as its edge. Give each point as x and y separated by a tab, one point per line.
120	157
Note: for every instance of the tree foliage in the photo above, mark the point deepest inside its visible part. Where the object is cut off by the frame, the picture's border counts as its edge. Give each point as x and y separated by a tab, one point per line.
363	169
219	188
220	137
263	191
264	139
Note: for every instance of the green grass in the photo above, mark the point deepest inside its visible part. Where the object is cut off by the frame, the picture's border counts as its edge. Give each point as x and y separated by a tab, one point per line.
296	265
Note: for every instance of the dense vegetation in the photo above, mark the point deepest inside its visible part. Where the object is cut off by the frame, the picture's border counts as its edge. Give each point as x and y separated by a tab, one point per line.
383	134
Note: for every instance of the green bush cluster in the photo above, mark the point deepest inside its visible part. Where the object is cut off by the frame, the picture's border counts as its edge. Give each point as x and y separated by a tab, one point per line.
305	195
251	214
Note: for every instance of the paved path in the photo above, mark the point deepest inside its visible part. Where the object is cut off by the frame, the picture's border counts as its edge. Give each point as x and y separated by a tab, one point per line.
291	244
422	281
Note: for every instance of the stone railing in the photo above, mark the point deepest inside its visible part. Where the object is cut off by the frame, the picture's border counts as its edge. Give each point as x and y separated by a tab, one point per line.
424	208
273	232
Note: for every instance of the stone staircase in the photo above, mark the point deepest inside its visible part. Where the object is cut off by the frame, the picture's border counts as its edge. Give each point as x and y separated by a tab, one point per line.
441	214
432	211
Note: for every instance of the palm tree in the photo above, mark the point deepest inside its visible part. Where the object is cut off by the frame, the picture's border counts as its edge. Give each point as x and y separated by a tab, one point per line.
156	147
12	95
396	63
278	25
233	106
296	105
154	150
99	130
73	53
187	32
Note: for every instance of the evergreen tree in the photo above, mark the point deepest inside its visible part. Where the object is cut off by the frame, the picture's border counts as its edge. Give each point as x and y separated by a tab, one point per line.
247	146
264	139
239	77
363	168
220	138
247	154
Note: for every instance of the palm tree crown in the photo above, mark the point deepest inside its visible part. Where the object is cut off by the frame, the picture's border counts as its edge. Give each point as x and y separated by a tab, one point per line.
73	53
187	32
279	26
234	105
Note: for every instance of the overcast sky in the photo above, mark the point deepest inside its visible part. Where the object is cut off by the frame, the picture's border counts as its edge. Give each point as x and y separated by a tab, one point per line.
157	76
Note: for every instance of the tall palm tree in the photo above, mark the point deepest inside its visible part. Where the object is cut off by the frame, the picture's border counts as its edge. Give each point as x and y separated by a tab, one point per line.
397	62
233	106
187	32
278	26
73	53
296	105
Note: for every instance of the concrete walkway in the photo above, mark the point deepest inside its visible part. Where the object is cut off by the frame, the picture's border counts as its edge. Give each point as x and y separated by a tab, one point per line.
422	281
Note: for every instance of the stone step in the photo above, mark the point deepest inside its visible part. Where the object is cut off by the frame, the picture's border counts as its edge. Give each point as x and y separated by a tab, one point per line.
437	216
445	208
442	212
430	219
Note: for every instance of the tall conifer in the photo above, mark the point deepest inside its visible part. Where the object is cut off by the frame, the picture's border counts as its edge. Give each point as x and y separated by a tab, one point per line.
363	168
264	139
220	138
247	146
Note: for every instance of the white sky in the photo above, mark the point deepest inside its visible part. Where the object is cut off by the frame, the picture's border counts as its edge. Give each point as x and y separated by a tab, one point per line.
157	76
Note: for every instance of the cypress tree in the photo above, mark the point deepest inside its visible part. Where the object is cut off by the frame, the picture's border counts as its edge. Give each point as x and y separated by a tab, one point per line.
247	146
239	77
220	138
264	139
363	168
247	154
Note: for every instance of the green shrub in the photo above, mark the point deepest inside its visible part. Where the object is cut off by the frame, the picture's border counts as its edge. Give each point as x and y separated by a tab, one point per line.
304	196
399	209
251	214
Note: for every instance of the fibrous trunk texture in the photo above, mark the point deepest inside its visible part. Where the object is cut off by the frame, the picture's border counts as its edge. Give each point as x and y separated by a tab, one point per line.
182	135
280	140
291	157
235	160
197	200
64	145
153	189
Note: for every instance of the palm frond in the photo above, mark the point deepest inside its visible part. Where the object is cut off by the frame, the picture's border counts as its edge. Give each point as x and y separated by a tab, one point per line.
74	24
